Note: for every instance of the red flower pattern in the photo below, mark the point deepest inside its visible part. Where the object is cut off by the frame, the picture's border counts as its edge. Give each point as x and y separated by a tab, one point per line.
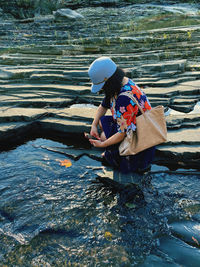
135	90
130	114
146	106
124	114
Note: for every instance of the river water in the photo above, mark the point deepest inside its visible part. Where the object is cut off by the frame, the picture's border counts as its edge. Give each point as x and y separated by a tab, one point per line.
54	211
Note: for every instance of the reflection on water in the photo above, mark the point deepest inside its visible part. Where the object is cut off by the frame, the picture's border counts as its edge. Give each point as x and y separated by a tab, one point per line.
56	215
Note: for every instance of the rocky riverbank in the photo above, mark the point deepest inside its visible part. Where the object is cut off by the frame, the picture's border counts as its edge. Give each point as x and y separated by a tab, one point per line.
45	89
21	9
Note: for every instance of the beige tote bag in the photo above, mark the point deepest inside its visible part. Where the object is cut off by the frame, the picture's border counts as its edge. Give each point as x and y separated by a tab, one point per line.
151	130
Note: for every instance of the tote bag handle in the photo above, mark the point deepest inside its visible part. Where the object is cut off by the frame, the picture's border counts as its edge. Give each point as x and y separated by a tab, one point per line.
130	95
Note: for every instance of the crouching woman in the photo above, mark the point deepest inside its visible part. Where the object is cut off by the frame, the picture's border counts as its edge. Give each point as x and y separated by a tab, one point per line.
109	79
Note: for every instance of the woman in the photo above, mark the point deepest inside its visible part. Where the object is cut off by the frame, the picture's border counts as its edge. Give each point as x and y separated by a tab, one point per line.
107	77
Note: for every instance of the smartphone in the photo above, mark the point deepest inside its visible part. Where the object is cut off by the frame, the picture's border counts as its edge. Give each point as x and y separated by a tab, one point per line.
89	136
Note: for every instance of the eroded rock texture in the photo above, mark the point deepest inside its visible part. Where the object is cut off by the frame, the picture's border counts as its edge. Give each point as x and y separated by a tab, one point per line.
44	63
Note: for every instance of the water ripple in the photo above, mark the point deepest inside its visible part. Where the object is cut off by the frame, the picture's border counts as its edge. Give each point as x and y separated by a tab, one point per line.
51	215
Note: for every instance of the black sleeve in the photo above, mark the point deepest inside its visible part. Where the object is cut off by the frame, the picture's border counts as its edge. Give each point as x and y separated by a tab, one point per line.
105	103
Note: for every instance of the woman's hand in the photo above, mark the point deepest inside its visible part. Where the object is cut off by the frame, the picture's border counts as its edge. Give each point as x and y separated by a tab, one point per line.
97	143
94	131
114	139
101	111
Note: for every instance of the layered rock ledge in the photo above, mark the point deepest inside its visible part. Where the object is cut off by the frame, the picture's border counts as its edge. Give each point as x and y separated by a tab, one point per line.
45	89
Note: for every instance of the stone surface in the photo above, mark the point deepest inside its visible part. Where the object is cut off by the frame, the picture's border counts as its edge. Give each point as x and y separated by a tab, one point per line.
44	85
66	13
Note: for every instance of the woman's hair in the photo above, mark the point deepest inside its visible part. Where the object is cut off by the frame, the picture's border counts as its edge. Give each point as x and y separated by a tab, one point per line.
113	85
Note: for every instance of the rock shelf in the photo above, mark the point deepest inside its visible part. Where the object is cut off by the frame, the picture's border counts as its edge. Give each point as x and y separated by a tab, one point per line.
43	74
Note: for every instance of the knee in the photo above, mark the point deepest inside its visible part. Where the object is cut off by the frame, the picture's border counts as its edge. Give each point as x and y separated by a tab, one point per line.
103	136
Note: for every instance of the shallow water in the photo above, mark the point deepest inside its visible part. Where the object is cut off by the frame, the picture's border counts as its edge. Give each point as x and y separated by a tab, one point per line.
53	215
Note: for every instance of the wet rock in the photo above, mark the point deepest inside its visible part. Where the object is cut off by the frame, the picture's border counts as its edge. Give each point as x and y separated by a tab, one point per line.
180	252
44	71
155	261
66	14
21	114
45	93
188	231
5	74
42	19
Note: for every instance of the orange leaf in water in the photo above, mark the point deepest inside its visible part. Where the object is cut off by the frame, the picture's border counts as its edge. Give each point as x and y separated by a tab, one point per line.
67	163
195	240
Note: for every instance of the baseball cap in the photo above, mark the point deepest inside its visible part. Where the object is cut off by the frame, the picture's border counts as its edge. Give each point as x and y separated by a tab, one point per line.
100	71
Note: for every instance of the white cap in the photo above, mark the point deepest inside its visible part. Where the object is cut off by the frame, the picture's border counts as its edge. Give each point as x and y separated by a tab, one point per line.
100	71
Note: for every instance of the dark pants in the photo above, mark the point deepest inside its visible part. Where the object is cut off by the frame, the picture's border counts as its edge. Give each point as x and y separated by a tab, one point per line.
125	164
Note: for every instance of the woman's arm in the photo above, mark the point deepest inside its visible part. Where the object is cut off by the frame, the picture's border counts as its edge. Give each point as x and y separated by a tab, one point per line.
101	111
114	139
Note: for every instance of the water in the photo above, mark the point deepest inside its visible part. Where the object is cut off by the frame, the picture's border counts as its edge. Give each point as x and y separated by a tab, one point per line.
51	215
